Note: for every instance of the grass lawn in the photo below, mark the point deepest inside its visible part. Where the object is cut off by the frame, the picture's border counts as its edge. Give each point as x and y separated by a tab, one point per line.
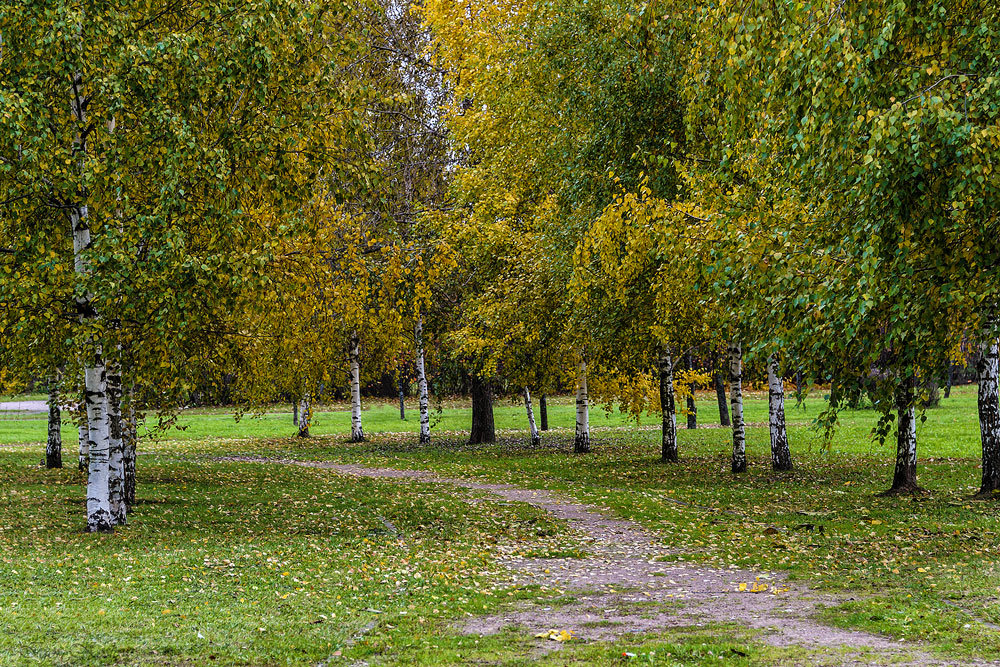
257	564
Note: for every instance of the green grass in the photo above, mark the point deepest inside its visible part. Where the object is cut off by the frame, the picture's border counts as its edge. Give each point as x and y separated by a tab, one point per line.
210	544
906	561
379	416
242	564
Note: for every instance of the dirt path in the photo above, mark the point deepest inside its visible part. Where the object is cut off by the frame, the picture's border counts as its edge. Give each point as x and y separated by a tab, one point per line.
620	587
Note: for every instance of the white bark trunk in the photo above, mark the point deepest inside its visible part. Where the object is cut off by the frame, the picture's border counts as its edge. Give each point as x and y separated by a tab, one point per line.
904	479
53	443
425	414
536	439
99	517
116	454
98	503
668	409
357	431
736	407
781	457
989	415
581	443
305	416
130	437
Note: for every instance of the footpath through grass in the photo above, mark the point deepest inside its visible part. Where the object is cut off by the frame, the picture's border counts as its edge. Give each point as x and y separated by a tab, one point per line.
249	564
921	568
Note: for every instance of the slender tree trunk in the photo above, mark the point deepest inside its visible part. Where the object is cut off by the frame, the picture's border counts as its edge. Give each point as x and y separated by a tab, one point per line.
581	443
305	415
720	394
98	503
482	412
357	432
692	408
781	456
950	380
736	404
295	412
989	416
543	409
904	479
536	438
425	414
130	443
402	395
668	411
116	456
53	444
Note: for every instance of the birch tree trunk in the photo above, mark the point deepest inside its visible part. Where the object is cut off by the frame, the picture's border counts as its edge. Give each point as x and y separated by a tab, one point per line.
692	408
130	441
305	416
581	443
354	354
781	456
99	518
536	439
483	429
425	414
989	416
98	502
736	404
116	457
53	444
668	411
904	479
543	409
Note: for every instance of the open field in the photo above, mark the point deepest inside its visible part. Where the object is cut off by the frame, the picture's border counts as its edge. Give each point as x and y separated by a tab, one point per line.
305	566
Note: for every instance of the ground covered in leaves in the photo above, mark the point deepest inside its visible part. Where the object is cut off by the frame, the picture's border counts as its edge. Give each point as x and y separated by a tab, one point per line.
229	562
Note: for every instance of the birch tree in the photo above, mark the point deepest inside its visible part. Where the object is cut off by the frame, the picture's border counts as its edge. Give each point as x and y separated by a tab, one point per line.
781	457
536	438
53	443
988	369
423	402
668	434
736	407
354	353
581	440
